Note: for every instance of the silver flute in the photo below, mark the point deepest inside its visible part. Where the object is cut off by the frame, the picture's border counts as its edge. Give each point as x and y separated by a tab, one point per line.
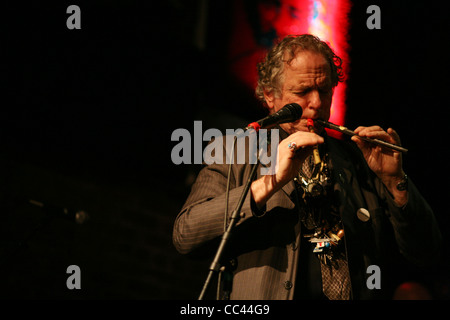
349	132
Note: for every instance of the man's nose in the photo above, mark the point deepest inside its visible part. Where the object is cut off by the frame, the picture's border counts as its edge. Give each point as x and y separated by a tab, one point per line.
315	102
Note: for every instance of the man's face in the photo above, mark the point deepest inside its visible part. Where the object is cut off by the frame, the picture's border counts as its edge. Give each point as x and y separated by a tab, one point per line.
307	81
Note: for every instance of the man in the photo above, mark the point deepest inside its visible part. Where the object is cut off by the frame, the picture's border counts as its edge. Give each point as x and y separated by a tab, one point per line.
332	212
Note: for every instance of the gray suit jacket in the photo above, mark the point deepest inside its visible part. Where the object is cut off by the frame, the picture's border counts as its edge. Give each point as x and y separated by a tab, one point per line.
266	247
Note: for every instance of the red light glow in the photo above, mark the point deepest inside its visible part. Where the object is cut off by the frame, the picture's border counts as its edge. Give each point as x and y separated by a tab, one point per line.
326	19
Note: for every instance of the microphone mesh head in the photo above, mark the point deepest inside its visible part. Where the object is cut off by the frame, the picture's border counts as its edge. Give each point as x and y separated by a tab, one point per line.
296	110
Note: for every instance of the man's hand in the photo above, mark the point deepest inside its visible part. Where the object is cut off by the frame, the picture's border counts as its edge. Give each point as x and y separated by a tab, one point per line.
384	162
288	164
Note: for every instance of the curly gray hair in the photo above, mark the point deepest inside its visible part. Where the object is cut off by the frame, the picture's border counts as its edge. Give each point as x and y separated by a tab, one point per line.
270	70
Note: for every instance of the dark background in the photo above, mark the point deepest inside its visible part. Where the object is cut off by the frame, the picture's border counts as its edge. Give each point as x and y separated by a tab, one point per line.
87	117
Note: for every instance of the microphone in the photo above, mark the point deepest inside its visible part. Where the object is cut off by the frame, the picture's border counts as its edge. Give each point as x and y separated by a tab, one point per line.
289	113
52	211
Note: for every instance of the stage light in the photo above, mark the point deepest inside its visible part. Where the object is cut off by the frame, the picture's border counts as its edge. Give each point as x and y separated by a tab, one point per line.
329	22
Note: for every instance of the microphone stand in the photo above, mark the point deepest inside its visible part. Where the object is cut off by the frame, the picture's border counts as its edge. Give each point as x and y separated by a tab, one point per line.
215	265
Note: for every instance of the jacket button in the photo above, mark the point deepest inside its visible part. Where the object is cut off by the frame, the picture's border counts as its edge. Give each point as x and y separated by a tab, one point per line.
363	214
288	285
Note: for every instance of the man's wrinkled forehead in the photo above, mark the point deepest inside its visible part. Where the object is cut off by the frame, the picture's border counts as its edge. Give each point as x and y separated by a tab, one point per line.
291	54
309	64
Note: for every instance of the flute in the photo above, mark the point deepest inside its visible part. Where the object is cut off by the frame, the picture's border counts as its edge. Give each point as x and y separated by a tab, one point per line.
346	131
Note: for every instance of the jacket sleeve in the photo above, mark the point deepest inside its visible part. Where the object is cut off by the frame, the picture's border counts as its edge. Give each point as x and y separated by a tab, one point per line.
202	220
202	216
416	230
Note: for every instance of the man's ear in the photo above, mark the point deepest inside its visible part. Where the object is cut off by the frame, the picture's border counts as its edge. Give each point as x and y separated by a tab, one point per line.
269	97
